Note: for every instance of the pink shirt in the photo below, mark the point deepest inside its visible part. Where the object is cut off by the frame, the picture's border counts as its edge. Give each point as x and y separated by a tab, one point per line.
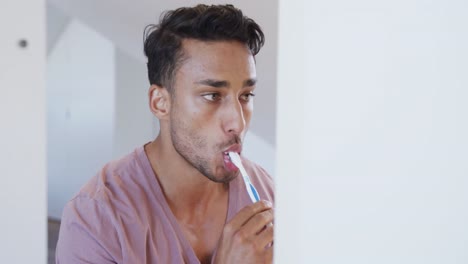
121	216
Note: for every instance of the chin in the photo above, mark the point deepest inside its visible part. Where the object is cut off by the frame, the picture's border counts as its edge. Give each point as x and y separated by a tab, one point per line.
225	177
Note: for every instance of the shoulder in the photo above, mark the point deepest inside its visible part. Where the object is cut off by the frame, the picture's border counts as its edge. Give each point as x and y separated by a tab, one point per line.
103	190
112	175
85	233
120	188
97	217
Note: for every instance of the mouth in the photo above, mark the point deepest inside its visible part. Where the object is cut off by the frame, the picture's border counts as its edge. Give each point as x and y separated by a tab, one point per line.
228	165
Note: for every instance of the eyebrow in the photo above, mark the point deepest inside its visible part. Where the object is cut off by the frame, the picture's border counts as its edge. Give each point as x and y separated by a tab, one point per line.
222	84
250	82
214	83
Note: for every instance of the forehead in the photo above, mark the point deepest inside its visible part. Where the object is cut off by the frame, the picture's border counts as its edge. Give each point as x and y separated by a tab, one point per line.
217	59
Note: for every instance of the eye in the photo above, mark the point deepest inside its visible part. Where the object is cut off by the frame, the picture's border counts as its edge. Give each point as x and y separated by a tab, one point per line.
247	97
212	97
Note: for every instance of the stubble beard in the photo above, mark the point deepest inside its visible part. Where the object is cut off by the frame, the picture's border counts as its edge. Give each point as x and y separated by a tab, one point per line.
189	145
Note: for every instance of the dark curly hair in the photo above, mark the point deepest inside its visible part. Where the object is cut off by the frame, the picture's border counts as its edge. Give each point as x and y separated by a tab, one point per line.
163	42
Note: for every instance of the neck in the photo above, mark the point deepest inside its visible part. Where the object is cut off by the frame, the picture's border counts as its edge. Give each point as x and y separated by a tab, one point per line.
188	192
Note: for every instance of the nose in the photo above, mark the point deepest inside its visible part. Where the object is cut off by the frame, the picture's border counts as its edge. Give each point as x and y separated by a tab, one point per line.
233	118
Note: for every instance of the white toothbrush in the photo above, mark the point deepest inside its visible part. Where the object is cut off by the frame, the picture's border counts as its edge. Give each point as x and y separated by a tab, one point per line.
235	158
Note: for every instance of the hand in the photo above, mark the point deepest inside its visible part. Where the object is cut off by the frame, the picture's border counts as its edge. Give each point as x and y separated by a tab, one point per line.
248	237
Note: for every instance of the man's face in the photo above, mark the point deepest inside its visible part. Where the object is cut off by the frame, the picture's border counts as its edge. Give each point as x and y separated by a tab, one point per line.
212	104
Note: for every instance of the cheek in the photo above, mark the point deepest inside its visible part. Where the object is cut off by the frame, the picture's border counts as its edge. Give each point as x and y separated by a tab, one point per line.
185	111
248	110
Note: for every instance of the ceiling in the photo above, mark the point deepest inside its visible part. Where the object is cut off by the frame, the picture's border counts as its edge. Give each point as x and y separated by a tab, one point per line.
122	22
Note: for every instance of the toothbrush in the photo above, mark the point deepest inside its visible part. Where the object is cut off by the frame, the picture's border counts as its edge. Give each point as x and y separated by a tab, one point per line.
235	158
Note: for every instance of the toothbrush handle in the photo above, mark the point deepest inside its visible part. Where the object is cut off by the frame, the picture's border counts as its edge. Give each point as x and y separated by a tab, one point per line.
255	193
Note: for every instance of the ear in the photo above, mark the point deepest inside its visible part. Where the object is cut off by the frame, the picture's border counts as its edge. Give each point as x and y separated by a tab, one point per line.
159	101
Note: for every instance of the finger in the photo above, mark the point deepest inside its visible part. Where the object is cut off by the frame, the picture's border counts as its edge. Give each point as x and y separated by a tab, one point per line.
246	213
258	222
269	255
266	237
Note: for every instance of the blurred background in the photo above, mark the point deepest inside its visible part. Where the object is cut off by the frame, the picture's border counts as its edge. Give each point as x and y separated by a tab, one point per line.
97	105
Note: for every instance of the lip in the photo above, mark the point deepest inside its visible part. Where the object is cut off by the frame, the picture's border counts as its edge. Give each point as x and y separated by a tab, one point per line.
234	148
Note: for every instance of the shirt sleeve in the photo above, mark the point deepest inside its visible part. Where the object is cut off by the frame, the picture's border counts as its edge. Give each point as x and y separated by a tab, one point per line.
87	234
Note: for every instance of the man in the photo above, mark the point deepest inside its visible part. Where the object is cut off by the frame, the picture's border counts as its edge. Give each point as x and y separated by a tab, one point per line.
179	198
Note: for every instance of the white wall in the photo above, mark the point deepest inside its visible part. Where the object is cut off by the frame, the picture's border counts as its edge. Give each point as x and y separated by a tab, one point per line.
260	151
372	160
80	111
134	124
22	133
97	109
56	23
